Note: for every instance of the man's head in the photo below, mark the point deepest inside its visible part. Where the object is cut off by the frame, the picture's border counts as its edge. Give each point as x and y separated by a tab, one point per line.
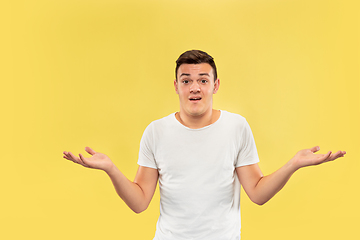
196	82
195	57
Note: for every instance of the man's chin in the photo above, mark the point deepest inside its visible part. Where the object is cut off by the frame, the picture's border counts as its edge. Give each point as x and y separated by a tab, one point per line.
196	113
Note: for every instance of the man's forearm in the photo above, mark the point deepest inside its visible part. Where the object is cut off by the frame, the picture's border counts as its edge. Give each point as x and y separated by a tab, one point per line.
261	189
128	191
131	192
271	184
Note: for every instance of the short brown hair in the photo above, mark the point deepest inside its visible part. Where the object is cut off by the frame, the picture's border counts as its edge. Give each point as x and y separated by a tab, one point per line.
195	57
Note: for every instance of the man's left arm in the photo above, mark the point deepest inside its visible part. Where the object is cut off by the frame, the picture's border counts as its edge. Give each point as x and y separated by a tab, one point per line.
261	189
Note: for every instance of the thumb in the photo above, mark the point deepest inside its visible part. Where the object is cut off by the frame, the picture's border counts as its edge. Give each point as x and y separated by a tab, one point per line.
90	151
315	149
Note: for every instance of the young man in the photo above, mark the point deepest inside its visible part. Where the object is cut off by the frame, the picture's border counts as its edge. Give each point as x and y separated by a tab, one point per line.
200	157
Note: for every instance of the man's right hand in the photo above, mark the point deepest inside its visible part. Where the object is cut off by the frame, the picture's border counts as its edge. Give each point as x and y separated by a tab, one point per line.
138	194
96	161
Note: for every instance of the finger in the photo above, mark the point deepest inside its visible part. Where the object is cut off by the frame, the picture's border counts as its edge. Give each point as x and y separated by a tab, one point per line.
74	158
327	156
342	153
90	151
83	160
68	156
336	155
65	155
315	149
323	157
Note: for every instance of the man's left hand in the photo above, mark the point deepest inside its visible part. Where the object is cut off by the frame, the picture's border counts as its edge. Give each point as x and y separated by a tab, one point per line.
307	157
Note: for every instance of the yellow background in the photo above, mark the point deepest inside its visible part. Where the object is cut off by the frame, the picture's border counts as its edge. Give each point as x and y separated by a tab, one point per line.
78	73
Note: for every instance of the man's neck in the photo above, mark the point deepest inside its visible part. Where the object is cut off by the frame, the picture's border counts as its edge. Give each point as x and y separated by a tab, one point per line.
196	122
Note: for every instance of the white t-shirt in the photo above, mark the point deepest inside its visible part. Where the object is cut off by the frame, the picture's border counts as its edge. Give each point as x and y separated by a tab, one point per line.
199	189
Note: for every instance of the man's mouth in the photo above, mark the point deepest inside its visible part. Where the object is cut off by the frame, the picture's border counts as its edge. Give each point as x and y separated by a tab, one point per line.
195	99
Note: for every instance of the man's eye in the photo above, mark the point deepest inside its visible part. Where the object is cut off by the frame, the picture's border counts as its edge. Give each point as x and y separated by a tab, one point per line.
185	81
204	81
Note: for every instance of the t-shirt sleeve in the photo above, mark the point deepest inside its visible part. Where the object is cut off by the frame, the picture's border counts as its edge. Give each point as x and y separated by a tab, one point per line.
146	152
248	153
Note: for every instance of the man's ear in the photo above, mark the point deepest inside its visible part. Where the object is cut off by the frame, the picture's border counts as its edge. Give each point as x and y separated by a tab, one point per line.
216	85
176	87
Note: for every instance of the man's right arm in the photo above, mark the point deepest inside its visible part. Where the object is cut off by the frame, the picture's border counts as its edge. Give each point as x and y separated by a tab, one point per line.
137	194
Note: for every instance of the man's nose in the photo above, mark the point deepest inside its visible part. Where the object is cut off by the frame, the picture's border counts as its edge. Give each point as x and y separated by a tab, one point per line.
195	87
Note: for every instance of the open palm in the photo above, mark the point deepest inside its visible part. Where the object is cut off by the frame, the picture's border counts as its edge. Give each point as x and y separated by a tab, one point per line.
307	157
96	161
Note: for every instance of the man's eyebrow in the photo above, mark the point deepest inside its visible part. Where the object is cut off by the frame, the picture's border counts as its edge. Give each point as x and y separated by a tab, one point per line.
184	74
200	74
204	74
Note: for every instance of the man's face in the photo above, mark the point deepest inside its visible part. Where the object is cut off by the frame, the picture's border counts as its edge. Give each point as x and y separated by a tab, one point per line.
195	86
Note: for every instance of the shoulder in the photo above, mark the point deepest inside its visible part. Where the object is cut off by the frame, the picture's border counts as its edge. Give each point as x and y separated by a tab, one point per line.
161	124
168	120
232	115
233	118
160	128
